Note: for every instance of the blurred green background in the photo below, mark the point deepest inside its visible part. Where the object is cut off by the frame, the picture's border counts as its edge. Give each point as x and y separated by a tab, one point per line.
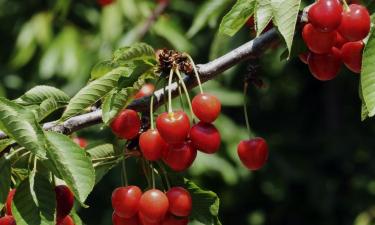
321	169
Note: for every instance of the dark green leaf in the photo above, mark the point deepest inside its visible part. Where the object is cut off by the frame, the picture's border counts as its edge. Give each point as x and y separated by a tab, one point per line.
138	51
38	94
5	179
115	101
47	107
4	143
368	75
102	68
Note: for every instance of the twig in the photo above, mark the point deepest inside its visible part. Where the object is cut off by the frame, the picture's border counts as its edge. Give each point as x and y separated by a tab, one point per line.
160	8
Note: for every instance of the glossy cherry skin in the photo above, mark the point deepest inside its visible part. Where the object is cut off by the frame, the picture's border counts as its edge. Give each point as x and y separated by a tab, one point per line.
8	205
153	205
64	201
351	55
66	221
82	142
316	41
206	107
127	124
152	145
355	24
340	40
173	220
173	127
180	203
325	15
303	57
125	201
253	153
7	220
146	90
117	220
180	157
325	66
205	137
144	221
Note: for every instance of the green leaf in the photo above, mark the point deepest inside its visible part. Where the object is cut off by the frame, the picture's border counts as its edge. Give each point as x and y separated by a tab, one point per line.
4	143
263	15
102	68
202	17
38	94
33	203
5	180
73	164
47	107
285	15
91	93
234	20
130	78
368	75
77	220
101	151
115	101
138	51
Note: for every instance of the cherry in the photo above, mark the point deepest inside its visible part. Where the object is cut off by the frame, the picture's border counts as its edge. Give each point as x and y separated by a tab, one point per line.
340	40
180	157
127	124
105	2
66	221
253	152
173	127
325	15
7	220
153	205
145	221
146	90
64	201
152	145
82	142
355	24
180	202
125	201
316	41
205	137
325	66
303	57
351	54
8	206
117	220
172	220
206	107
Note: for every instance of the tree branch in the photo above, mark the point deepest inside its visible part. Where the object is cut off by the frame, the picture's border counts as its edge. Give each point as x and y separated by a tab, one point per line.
251	49
160	8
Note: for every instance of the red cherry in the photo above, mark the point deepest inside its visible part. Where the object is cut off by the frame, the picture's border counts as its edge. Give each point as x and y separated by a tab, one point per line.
303	57
180	157
355	24
340	40
104	3
253	153
172	220
66	221
153	205
64	201
205	137
7	220
145	221
80	141
146	90
206	107
125	201
325	66
316	41
152	145
173	127
127	124
250	22
180	202
351	54
325	15
8	206
117	220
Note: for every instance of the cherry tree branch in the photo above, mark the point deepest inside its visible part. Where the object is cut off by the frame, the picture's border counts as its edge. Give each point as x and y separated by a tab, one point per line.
251	49
160	8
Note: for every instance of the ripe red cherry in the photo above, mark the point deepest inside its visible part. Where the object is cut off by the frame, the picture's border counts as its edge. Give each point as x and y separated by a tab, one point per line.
316	41
206	107
105	2
205	137
303	57
125	201
66	221
172	220
145	221
146	90
173	127
325	66
180	157
64	201
7	220
117	220
253	153
8	206
127	124
340	40
80	141
351	55
325	15
152	145
153	205
355	24
180	202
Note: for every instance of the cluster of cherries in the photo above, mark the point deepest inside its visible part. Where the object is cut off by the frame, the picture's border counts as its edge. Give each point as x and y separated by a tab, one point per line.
64	204
334	35
153	207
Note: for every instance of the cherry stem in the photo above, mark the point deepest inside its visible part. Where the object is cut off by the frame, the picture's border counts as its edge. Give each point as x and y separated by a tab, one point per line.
125	174
165	174
152	175
186	91
145	172
195	72
170	110
246	85
164	99
346	6
9	156
152	106
180	96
